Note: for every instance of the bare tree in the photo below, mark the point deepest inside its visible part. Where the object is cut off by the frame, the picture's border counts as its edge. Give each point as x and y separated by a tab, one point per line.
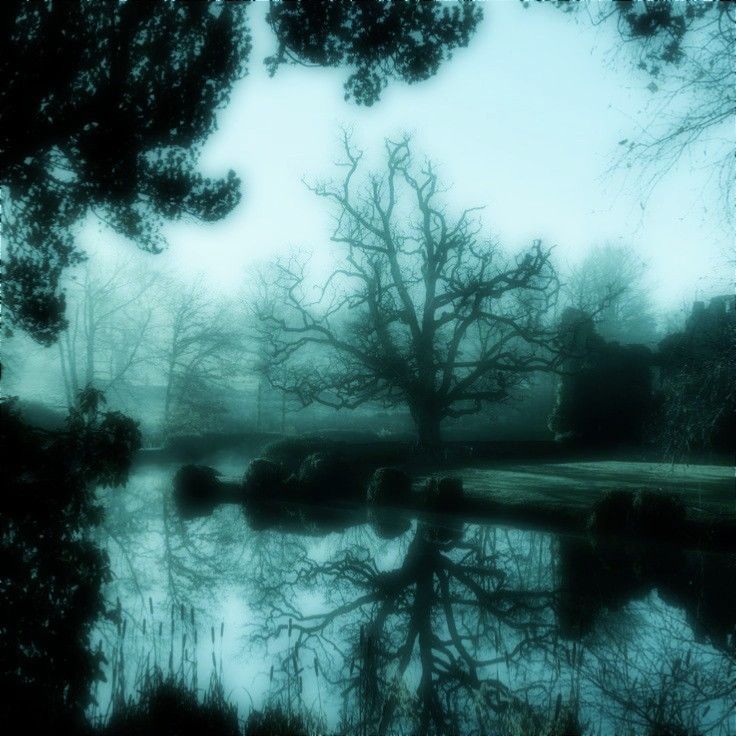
609	285
107	326
422	311
660	679
199	352
686	51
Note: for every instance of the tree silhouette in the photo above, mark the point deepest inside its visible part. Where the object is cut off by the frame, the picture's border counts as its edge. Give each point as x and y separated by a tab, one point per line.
686	49
108	324
380	40
422	311
105	108
435	629
201	348
609	284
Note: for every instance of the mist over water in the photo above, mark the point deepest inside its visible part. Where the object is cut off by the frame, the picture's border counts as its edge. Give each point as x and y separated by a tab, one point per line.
586	629
368	368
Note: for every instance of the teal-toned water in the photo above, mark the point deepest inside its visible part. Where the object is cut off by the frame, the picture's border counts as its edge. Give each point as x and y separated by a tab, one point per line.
449	627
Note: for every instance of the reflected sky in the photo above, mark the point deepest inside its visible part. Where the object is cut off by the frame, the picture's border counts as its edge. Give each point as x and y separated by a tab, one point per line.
449	627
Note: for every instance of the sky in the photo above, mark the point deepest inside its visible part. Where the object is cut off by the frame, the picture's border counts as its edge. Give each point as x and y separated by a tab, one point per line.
524	122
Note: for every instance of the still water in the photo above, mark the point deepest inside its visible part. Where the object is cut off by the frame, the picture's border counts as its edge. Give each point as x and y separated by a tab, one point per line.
447	627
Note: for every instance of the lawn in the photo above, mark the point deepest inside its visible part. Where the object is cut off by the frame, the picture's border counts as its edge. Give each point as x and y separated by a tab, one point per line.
708	490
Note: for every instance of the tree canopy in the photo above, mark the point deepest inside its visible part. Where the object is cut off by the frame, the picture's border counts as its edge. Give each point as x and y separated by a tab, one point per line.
423	311
105	107
378	40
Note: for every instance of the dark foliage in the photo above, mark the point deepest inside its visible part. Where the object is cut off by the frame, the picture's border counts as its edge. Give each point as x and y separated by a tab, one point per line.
290	452
662	28
167	707
605	394
603	573
196	490
697	398
265	491
323	493
273	722
105	107
263	479
378	40
51	572
634	547
327	477
644	514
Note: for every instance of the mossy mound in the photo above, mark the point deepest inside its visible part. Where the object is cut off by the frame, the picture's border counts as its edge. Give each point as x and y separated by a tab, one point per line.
196	490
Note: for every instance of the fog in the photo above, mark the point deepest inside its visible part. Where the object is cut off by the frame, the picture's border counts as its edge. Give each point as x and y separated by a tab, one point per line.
368	368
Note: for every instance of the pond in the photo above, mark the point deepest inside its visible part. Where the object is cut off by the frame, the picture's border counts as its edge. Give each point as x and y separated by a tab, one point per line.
442	626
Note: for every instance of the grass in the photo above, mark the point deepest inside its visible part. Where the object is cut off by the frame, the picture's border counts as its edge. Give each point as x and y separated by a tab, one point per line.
708	491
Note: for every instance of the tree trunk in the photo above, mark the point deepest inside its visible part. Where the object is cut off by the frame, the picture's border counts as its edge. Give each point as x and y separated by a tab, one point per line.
427	421
65	375
259	405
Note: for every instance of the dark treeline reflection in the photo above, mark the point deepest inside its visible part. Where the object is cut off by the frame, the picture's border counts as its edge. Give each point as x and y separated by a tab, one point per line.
608	574
456	629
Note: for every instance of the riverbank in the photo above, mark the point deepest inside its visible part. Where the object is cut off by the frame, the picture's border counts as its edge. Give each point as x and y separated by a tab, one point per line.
539	485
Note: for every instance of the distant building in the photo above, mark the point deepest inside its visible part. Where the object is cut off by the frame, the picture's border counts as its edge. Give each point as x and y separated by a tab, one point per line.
706	320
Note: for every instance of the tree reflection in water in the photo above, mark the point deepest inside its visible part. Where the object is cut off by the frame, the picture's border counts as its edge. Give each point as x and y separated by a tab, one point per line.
659	627
428	643
465	631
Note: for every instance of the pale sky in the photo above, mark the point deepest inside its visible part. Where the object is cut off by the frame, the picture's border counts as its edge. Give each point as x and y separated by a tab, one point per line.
524	122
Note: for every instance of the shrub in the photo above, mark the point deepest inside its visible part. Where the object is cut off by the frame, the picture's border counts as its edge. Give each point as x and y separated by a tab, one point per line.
263	480
196	490
327	477
52	570
291	452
